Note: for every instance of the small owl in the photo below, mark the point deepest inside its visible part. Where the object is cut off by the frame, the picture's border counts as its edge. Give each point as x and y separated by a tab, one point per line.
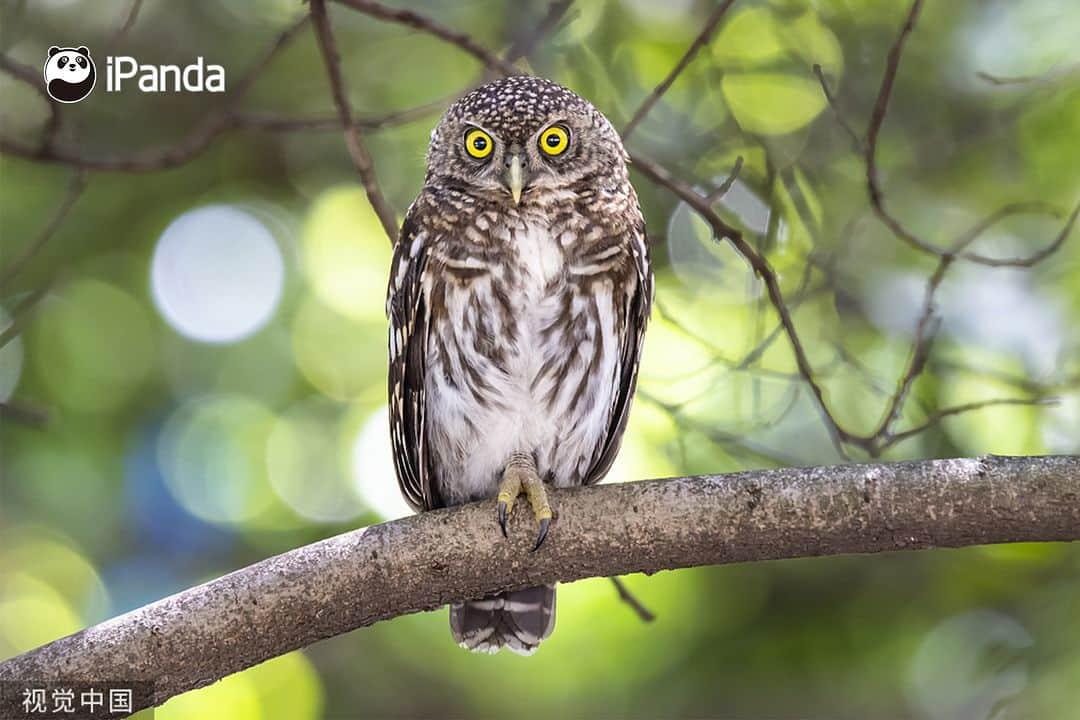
519	293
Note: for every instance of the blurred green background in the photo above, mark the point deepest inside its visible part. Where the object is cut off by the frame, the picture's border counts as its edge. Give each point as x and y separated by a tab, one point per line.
203	384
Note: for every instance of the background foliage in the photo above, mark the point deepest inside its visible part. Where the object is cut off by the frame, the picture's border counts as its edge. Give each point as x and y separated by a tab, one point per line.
202	383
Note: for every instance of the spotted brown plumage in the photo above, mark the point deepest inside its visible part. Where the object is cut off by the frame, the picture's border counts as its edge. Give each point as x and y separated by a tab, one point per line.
519	294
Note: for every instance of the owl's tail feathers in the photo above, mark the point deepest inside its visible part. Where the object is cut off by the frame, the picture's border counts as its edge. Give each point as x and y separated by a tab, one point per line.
517	620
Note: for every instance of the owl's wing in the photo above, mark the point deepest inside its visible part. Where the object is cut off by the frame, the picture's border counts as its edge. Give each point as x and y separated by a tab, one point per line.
636	317
408	316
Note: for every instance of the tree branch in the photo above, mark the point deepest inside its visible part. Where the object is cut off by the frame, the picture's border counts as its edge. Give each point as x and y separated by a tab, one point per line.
29	76
760	265
183	151
424	562
523	46
423	23
882	438
1049	76
353	141
658	92
643	613
868	150
127	24
75	190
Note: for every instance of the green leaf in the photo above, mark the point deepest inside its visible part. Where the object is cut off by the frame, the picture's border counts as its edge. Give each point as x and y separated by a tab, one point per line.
772	103
750	39
813	41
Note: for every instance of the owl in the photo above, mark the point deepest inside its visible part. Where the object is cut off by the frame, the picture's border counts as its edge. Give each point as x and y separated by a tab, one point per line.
520	289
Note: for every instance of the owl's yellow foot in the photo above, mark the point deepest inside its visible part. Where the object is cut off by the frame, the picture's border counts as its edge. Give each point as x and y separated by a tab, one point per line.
520	476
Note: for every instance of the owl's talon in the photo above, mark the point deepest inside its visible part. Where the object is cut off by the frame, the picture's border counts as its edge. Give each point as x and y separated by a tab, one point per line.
509	489
502	517
520	476
534	488
540	536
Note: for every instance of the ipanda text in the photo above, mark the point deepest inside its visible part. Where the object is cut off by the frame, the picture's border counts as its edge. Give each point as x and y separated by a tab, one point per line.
196	77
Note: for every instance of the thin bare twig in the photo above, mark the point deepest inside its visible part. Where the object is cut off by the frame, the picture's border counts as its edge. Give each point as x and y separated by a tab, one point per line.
868	150
425	24
869	379
654	97
186	149
853	137
722	189
733	443
127	24
762	269
25	73
926	329
1051	75
31	77
360	156
23	414
232	118
1029	260
801	293
74	191
271	123
202	138
928	324
881	104
630	599
940	415
1035	387
524	46
22	312
873	443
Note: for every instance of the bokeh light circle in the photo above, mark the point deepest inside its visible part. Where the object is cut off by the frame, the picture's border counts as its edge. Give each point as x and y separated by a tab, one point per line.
969	666
44	613
48	586
91	346
309	463
212	454
217	274
705	266
341	357
346	256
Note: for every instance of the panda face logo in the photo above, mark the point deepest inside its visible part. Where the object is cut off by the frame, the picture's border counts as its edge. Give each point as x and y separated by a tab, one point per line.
69	74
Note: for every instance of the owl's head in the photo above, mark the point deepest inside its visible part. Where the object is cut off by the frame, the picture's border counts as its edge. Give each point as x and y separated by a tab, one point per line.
524	139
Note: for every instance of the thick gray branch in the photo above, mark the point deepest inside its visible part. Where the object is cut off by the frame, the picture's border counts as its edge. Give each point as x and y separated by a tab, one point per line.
420	563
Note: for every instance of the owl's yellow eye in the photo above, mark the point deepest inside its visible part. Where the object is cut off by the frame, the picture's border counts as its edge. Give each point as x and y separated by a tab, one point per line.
478	144
555	140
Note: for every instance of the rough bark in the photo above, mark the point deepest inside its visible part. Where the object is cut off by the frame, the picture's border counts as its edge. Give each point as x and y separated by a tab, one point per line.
419	563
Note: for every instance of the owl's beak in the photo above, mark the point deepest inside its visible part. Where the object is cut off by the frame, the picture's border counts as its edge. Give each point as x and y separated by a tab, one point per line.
515	177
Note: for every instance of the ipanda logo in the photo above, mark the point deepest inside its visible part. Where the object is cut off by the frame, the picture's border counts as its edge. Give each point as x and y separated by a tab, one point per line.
70	75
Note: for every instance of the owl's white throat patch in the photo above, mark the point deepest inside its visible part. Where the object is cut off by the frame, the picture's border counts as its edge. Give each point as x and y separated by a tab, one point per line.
540	254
